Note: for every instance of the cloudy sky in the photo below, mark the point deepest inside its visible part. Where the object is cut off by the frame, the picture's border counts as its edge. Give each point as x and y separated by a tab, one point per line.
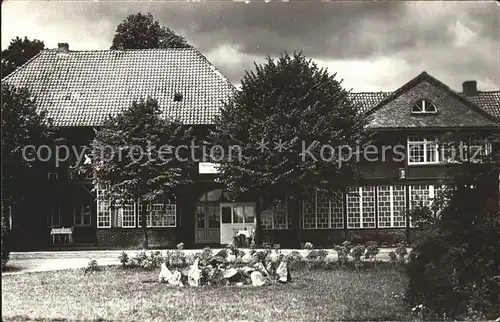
373	46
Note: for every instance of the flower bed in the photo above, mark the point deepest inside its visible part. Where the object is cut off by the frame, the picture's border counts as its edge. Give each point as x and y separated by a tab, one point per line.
234	266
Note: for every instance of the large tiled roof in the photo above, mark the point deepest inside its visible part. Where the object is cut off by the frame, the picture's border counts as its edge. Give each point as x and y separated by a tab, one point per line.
488	101
82	87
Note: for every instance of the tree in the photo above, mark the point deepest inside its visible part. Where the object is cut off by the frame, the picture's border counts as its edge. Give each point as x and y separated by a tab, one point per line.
18	53
133	157
22	171
456	258
142	31
293	102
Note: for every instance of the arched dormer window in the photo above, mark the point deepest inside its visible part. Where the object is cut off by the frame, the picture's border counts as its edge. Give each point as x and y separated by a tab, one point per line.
423	106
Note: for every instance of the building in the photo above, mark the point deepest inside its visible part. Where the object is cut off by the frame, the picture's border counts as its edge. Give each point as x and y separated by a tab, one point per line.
80	88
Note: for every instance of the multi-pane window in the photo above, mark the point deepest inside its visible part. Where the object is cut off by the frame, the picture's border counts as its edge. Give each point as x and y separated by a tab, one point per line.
391	206
82	214
361	207
275	217
54	217
321	212
422	150
158	215
127	215
130	215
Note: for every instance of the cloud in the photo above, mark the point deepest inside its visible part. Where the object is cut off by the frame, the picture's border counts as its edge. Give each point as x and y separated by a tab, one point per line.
372	45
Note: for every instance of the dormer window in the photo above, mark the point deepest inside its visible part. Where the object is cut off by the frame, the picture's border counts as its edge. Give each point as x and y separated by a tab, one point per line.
424	106
177	97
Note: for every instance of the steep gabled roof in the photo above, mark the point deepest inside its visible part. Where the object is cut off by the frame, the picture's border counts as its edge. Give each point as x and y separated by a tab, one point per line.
486	100
82	87
454	110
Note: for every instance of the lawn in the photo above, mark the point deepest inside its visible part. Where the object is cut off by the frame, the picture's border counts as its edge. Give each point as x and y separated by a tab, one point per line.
117	294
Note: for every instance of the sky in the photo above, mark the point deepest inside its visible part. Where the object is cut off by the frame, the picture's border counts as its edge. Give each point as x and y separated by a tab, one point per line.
372	46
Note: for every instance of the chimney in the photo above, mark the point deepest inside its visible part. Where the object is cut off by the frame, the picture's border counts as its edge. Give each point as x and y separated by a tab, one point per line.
469	88
62	48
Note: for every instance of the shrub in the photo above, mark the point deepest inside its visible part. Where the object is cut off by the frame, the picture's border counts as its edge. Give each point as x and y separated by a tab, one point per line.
6	244
343	251
401	251
455	270
308	246
92	267
393	258
356	253
372	250
124	259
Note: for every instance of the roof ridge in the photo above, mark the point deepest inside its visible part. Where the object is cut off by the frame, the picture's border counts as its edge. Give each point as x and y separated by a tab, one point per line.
115	50
23	66
212	66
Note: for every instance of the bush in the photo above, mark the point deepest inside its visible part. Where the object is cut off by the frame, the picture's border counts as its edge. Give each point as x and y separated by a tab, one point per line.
6	244
92	267
124	259
455	268
343	251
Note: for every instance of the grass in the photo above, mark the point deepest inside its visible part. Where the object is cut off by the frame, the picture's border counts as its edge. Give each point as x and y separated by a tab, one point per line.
117	294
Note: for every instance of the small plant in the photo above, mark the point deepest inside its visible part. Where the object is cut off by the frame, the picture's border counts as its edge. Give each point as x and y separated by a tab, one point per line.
412	255
401	251
222	254
393	258
372	250
124	259
356	253
180	246
277	248
92	267
343	251
308	246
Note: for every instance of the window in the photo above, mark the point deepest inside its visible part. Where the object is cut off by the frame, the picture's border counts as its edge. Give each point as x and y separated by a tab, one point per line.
158	215
275	217
361	207
103	210
54	217
320	212
422	150
127	215
82	214
391	206
423	106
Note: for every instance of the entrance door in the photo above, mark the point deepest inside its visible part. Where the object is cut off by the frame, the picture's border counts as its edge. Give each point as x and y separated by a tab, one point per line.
207	223
236	217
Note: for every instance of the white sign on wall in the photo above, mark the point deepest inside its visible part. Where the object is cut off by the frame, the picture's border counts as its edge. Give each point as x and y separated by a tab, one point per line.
207	168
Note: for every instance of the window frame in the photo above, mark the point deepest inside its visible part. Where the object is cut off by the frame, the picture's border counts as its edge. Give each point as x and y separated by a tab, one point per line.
50	218
362	223
392	205
274	226
423	102
331	214
426	142
80	207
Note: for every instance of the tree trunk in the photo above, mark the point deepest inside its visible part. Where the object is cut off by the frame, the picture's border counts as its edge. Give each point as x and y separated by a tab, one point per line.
145	244
295	212
258	227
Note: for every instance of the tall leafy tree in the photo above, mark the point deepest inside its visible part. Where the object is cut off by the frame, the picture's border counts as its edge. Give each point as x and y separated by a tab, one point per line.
19	52
299	111
22	170
134	157
142	31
